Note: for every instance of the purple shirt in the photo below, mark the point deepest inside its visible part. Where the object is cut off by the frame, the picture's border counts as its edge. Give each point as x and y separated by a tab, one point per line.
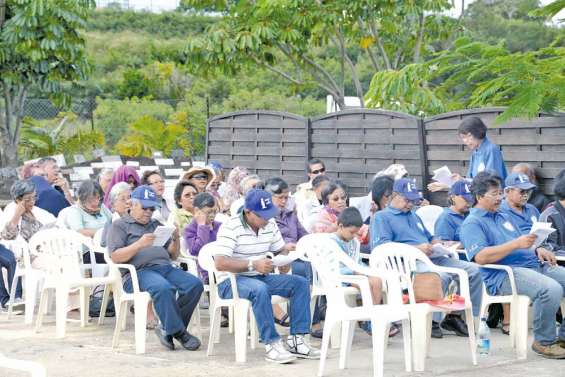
196	236
290	227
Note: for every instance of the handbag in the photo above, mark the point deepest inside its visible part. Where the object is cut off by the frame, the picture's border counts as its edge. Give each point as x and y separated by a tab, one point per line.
427	287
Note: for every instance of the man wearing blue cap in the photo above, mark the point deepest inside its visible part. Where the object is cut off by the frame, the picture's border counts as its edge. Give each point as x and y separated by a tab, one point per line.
131	240
460	200
517	190
244	244
491	237
398	223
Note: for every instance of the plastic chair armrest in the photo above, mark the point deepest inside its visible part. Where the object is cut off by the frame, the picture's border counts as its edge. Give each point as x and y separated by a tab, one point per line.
133	275
508	270
363	283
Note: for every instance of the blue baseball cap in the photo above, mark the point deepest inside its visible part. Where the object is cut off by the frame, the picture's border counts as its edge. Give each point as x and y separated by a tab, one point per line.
461	188
407	188
519	180
260	202
146	195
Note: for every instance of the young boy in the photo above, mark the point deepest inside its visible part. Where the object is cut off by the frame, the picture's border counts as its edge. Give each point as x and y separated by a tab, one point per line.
348	224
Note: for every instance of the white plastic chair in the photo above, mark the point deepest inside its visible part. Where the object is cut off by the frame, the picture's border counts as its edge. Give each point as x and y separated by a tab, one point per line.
34	369
318	290
62	249
241	308
402	259
326	256
519	305
30	278
429	215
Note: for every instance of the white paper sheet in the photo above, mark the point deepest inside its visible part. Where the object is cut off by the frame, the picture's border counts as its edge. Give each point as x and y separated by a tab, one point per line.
542	231
162	235
443	175
283	260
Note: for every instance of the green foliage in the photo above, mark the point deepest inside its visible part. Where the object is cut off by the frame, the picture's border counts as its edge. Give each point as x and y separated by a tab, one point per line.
40	46
164	24
113	116
475	74
136	84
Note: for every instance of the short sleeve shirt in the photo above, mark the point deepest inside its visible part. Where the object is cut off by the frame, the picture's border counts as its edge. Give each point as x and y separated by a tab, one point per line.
487	157
351	248
393	225
524	220
448	225
78	219
237	240
484	229
125	231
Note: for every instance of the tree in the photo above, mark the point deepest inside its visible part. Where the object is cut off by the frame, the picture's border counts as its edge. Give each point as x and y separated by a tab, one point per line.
475	74
40	46
301	40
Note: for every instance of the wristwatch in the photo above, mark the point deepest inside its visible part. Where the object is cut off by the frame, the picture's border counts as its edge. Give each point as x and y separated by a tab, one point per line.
250	267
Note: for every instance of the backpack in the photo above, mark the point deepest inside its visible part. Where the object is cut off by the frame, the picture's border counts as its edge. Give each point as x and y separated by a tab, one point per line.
96	303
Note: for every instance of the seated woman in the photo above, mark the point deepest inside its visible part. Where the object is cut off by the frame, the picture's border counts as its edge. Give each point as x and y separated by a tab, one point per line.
199	177
89	214
203	228
182	215
291	231
449	222
233	186
247	184
309	211
120	200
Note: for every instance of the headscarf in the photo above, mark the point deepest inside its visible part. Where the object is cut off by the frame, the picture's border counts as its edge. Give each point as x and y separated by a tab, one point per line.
121	174
233	189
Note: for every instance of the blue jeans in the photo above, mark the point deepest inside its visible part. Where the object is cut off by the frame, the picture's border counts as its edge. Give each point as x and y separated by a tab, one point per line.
304	269
259	289
544	285
8	261
163	282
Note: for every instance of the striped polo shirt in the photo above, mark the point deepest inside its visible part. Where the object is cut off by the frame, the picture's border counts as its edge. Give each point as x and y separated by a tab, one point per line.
237	240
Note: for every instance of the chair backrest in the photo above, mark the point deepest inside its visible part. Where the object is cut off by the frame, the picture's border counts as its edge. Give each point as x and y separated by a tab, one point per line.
401	259
429	215
545	214
62	250
206	261
62	218
306	243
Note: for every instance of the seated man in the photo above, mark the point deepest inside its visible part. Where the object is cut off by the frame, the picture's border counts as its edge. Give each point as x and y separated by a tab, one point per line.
305	197
243	245
490	237
398	223
515	205
130	240
52	189
537	198
556	216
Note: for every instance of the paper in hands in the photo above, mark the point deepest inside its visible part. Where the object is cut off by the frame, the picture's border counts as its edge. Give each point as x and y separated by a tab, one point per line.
542	231
440	250
162	235
443	176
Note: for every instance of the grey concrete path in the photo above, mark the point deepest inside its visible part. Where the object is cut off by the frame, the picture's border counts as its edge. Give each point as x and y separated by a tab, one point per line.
87	352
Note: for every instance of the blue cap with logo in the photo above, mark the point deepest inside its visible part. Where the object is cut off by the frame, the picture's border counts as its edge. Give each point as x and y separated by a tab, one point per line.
461	188
260	202
407	188
146	195
519	180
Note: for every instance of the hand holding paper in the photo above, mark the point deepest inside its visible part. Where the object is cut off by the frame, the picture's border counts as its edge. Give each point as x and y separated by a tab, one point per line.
542	231
443	175
162	235
440	250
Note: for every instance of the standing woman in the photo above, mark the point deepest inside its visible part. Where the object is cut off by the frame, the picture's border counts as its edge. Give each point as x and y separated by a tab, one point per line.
485	156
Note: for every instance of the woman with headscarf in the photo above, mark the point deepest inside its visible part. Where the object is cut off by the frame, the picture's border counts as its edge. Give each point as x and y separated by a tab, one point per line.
122	174
233	186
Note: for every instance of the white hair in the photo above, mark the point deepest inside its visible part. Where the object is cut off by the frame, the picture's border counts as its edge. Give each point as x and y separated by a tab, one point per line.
116	190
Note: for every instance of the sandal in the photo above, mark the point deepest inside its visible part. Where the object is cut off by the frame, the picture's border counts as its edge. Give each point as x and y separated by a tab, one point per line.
284	322
505	328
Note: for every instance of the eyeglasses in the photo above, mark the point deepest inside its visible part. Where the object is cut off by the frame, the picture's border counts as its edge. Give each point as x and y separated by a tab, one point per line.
525	192
336	198
494	195
150	209
318	171
199	176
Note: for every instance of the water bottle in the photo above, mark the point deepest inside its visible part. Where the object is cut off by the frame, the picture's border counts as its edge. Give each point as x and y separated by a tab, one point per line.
483	342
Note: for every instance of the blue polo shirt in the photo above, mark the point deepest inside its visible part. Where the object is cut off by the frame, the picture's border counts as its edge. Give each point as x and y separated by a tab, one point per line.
483	229
48	198
448	225
393	225
524	220
487	157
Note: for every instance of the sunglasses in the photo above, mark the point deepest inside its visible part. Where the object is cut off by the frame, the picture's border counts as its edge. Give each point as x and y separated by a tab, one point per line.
318	171
200	176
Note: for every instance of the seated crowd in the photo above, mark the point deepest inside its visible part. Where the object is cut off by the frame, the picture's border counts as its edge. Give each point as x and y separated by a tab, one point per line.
252	218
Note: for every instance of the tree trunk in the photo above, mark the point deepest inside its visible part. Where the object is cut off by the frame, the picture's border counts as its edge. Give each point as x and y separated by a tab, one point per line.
8	153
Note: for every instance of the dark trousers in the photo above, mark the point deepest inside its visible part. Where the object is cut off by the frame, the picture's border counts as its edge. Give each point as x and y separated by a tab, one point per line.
163	282
8	261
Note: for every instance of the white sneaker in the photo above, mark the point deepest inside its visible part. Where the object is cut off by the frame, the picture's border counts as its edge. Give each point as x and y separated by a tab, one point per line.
276	353
298	346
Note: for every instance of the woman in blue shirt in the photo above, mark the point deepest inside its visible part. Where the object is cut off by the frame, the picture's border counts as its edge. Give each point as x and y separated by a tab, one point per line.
449	222
485	156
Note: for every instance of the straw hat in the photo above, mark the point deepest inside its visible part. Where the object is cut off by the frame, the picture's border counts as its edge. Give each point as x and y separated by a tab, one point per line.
195	170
